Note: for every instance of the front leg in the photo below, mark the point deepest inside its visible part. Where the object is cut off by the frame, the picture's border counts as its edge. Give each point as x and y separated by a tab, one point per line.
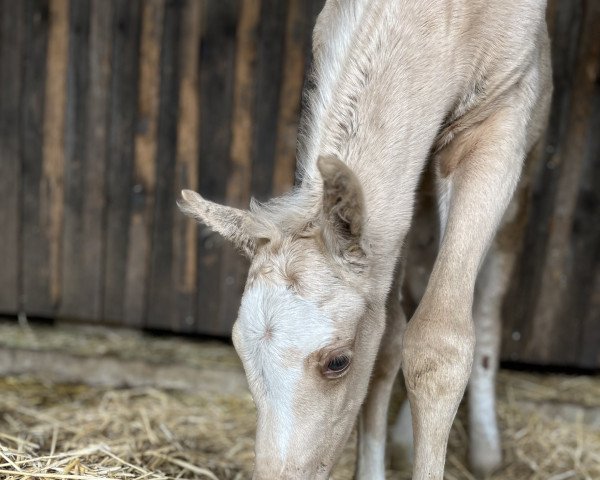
439	341
372	421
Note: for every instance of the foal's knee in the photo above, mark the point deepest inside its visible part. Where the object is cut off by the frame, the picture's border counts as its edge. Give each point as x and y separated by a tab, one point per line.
437	357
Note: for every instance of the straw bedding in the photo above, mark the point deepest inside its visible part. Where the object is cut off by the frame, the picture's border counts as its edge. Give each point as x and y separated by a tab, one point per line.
551	431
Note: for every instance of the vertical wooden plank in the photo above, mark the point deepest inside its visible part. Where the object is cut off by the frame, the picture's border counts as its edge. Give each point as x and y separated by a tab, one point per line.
564	24
589	353
54	137
126	24
234	265
36	275
144	170
217	56
160	290
75	149
267	88
11	41
100	57
549	310
312	10
87	131
290	97
584	287
185	242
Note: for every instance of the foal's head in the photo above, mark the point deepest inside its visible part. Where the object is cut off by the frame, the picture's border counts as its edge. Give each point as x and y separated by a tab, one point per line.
309	325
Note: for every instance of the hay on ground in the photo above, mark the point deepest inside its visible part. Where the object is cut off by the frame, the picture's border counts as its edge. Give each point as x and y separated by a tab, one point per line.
550	424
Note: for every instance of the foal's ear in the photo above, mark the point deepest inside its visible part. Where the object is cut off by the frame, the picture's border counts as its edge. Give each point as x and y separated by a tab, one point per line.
233	224
343	206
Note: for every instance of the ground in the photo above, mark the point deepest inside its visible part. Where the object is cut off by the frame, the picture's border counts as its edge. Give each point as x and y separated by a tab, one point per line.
90	428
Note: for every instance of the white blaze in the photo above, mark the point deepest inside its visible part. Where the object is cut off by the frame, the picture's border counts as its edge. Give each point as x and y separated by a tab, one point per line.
277	331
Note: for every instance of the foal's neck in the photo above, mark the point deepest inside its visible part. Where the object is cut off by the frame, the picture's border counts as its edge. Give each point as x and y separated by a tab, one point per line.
377	104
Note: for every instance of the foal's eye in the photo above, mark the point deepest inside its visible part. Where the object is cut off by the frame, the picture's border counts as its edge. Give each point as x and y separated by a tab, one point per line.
336	366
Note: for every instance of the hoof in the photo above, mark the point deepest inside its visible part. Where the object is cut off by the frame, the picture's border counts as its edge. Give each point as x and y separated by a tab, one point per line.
484	461
401	456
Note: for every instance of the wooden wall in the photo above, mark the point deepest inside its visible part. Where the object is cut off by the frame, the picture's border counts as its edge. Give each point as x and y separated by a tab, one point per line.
109	107
552	314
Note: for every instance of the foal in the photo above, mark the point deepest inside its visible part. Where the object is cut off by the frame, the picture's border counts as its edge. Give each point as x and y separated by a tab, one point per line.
320	332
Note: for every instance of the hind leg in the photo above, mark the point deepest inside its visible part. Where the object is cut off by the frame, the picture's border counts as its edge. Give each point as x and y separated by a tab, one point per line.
401	439
485	453
372	422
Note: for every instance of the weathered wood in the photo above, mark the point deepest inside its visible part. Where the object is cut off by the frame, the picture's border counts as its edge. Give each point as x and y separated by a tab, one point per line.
266	90
550	314
564	28
312	8
589	354
76	142
160	290
217	54
584	293
234	266
539	301
108	108
36	290
295	43
11	58
185	241
144	170
75	163
54	138
96	159
123	107
87	133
